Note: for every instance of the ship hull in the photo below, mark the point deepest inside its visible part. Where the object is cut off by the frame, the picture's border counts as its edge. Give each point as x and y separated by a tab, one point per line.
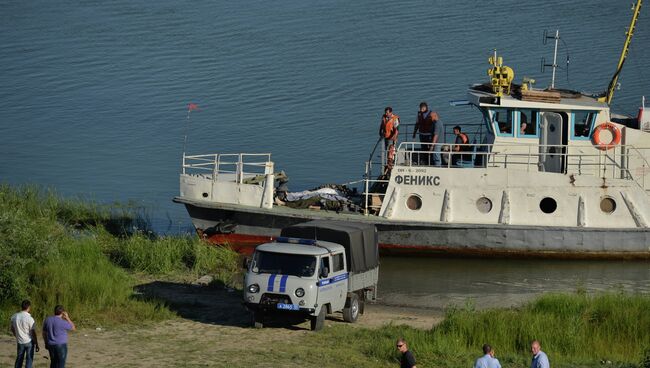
243	228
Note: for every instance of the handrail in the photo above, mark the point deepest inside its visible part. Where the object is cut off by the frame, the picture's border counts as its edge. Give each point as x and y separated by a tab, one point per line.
241	165
533	155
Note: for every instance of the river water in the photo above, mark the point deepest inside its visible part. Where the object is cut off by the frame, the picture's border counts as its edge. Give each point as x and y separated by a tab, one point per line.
93	94
440	282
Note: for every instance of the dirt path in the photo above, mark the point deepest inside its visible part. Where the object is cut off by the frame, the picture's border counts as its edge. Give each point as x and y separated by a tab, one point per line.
212	330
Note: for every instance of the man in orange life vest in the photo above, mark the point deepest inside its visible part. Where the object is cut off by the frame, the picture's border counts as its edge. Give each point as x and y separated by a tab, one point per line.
425	124
388	128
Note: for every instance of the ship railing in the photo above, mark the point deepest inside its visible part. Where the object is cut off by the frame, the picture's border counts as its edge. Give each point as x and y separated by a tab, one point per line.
641	172
378	155
228	166
374	191
603	163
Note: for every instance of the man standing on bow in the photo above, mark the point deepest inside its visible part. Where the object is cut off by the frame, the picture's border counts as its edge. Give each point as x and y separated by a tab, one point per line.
389	127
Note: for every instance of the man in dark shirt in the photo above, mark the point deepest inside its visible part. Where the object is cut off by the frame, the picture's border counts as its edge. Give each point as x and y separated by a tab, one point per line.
425	126
461	146
407	360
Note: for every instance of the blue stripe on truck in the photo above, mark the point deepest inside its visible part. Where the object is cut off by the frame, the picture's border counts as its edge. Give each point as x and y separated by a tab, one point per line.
269	287
283	283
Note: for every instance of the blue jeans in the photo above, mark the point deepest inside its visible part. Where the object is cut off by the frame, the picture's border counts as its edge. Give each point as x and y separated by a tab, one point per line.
25	352
58	354
437	160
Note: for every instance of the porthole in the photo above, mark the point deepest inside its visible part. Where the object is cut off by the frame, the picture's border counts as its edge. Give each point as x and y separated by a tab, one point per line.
205	195
484	205
414	202
608	205
548	205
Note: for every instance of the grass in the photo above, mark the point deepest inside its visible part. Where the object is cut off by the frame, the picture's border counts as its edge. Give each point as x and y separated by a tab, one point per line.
80	254
574	329
85	256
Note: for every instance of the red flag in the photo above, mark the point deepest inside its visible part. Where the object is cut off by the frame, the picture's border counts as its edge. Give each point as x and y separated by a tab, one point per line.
192	106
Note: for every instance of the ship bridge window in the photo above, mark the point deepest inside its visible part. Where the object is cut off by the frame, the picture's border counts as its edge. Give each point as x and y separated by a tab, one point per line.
582	124
528	123
502	119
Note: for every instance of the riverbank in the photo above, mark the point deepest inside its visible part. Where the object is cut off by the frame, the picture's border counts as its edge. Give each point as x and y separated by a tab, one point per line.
88	257
212	329
130	291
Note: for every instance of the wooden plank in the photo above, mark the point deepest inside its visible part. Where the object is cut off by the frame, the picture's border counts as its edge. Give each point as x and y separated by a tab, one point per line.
540	96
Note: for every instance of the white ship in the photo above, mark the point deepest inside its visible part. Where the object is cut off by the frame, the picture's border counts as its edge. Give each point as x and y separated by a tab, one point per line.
549	173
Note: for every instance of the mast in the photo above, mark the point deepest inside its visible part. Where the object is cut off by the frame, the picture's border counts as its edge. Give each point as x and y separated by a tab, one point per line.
557	37
626	46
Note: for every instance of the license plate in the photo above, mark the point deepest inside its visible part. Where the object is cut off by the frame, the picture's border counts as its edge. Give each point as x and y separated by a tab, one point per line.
288	306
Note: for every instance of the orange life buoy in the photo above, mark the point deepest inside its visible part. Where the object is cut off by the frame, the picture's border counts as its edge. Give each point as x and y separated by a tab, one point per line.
616	133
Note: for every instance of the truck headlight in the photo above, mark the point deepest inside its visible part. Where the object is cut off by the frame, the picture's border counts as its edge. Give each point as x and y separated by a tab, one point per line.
300	292
254	288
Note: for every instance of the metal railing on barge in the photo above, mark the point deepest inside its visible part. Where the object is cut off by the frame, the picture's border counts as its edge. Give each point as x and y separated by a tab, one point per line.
613	163
378	158
228	166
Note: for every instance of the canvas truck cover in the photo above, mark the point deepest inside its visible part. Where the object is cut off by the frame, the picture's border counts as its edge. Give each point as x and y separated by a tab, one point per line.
359	240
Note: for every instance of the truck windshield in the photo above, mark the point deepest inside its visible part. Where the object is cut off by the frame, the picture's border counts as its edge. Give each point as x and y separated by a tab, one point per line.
284	264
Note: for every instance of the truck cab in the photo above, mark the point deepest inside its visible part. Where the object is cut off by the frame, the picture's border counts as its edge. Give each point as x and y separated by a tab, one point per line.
310	278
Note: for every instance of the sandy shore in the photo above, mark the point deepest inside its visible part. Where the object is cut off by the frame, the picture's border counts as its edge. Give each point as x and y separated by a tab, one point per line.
212	330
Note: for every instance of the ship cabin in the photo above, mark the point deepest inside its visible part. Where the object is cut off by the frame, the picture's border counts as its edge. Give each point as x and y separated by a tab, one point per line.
552	131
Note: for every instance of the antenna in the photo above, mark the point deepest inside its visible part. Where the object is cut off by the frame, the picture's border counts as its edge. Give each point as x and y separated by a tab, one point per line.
545	38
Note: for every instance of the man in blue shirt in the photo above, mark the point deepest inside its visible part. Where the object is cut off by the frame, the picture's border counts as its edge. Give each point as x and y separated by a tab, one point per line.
437	140
488	360
540	360
55	334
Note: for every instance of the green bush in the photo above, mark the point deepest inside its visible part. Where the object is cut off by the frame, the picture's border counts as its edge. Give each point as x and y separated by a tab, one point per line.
170	255
75	253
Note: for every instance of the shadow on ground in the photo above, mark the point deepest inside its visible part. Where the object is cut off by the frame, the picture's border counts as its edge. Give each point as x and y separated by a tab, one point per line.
209	304
205	304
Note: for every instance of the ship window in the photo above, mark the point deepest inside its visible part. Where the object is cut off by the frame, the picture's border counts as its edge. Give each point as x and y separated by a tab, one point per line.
582	121
528	123
414	202
484	205
503	121
608	205
337	262
548	205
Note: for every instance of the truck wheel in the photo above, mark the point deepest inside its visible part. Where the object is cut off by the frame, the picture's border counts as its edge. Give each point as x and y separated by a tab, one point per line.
351	311
318	321
258	320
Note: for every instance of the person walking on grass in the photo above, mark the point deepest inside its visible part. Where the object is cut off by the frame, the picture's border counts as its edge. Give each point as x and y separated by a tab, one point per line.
23	327
540	360
487	360
407	360
55	334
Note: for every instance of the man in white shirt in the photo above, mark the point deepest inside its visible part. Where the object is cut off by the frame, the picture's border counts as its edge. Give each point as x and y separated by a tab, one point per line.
540	360
23	327
487	360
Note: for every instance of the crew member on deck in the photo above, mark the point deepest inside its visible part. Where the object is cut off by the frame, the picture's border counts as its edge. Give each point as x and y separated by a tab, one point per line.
460	146
389	127
424	126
